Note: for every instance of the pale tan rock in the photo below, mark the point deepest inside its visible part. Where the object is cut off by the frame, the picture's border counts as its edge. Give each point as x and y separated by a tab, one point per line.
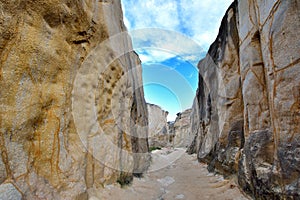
64	88
9	192
275	58
158	126
182	129
217	111
244	119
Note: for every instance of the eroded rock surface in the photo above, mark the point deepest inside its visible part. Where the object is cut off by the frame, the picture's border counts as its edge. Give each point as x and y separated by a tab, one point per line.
9	192
181	132
245	117
163	133
70	101
158	126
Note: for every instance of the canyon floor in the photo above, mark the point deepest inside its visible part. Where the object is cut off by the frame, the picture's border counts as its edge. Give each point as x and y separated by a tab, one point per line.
173	175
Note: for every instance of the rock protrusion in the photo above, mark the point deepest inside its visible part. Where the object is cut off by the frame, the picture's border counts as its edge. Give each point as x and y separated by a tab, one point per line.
181	132
158	127
73	114
244	119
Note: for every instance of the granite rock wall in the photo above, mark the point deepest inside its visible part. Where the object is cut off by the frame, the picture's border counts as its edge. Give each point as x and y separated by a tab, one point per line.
73	114
158	126
181	126
245	117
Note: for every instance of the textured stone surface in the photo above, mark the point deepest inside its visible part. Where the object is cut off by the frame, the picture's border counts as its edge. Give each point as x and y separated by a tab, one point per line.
244	119
72	110
163	133
9	192
181	135
158	126
217	113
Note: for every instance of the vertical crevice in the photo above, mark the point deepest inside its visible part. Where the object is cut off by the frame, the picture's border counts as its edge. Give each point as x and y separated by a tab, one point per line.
4	156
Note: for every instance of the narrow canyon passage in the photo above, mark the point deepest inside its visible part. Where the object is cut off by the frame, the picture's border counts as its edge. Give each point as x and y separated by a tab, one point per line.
75	120
173	174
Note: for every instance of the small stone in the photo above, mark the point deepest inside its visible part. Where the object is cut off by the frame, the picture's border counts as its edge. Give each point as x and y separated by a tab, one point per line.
179	196
166	181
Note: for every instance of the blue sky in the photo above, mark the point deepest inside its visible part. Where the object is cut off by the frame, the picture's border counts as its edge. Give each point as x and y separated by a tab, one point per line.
171	36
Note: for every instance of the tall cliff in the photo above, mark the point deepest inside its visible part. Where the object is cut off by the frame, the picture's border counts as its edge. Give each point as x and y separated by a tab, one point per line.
181	129
73	115
245	117
165	134
158	126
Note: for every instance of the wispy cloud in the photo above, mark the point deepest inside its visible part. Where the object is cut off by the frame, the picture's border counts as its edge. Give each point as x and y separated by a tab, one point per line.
152	13
154	56
158	44
198	19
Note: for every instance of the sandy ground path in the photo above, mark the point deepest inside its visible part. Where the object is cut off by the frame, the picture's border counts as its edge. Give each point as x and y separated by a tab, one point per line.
173	175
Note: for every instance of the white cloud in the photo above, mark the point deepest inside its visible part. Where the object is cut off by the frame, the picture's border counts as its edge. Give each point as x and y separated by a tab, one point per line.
205	18
199	19
127	23
154	56
152	13
168	43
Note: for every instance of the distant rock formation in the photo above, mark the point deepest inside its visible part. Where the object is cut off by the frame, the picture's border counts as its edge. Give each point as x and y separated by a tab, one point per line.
181	129
246	115
168	134
73	114
158	127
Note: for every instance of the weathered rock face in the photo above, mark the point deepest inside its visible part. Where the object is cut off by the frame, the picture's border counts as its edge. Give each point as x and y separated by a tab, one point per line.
182	129
158	126
245	118
72	112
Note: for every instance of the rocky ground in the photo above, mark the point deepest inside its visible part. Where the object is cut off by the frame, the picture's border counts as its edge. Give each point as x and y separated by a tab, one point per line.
173	175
